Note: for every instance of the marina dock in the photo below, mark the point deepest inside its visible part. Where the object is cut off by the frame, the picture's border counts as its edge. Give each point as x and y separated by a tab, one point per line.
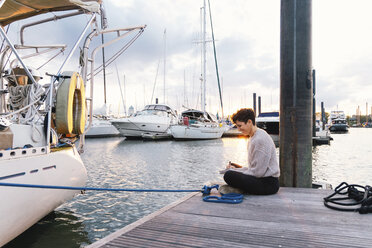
294	217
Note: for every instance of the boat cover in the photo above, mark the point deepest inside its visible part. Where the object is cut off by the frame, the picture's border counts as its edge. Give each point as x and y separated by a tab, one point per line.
14	10
269	114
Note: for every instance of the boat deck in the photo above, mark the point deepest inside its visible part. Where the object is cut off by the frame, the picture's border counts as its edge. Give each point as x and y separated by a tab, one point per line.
295	217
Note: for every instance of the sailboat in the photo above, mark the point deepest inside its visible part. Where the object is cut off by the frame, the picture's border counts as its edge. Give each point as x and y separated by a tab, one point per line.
199	124
101	124
153	121
42	126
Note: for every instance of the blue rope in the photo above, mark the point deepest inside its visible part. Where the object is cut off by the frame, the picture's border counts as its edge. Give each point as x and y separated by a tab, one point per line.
232	198
97	189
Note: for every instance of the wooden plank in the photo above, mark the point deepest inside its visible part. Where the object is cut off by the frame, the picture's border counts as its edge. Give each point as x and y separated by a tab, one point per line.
232	232
289	214
129	227
202	239
277	206
212	238
231	225
292	218
133	242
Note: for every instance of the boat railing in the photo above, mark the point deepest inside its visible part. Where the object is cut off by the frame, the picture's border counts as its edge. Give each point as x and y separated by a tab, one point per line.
121	33
44	99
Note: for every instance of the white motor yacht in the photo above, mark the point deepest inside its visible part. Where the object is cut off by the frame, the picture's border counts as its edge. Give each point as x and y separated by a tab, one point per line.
42	125
337	122
153	121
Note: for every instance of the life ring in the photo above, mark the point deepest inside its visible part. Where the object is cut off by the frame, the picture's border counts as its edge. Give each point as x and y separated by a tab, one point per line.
70	104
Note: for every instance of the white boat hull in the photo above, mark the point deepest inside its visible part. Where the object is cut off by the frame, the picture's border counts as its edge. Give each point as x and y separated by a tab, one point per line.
23	207
232	132
195	132
129	128
339	128
102	130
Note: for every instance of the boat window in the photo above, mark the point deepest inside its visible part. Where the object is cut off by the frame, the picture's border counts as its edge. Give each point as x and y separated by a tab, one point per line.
144	112
212	117
150	106
161	107
160	113
269	127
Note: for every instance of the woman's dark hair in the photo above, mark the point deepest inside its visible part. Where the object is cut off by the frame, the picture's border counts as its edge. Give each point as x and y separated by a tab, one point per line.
244	115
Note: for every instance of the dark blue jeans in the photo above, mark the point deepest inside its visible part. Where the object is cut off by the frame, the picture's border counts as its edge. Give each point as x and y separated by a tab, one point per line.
252	185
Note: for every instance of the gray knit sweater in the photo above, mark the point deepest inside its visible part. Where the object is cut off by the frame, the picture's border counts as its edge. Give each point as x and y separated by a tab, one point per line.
262	160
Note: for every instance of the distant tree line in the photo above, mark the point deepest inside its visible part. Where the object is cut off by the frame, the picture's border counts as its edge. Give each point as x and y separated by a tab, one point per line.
351	120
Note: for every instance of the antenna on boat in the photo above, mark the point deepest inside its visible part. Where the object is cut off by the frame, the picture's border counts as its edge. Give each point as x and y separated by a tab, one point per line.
121	92
185	100
124	97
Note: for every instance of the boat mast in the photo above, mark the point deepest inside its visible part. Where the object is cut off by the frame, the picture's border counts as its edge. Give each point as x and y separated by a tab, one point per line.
165	32
124	97
204	58
121	92
215	57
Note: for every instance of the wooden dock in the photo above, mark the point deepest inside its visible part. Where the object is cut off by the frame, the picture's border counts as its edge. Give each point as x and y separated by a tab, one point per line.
295	217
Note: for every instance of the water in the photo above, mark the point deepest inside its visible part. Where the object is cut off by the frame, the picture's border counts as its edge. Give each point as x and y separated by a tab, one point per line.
348	158
119	163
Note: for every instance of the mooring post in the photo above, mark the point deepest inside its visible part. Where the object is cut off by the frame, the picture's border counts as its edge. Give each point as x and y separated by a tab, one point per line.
259	105
254	103
314	105
295	94
366	113
323	115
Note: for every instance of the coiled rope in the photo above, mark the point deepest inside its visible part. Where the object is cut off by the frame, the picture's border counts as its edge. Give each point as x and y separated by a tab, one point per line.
352	197
25	98
24	101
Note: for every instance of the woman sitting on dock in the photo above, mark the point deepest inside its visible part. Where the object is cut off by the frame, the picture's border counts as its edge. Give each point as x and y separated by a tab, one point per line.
261	177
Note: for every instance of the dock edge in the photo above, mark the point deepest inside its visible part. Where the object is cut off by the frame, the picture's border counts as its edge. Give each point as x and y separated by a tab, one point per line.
139	222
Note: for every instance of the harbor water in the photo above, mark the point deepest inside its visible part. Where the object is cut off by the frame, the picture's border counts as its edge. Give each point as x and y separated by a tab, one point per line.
120	163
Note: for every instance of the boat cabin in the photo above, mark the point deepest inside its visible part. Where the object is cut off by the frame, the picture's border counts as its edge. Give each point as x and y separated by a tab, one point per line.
268	121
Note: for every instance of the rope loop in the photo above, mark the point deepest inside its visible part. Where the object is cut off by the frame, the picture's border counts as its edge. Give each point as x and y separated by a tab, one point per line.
353	195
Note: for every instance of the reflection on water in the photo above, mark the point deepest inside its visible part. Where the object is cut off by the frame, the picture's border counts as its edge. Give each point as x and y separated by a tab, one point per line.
59	229
348	158
119	163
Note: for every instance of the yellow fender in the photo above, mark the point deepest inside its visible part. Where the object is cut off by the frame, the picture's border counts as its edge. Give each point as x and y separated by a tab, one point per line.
70	104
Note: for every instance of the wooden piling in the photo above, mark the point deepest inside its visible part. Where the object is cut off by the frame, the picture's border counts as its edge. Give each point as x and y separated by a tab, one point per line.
295	94
254	103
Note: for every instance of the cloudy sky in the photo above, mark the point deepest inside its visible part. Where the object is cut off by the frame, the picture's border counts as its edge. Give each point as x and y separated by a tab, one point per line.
247	43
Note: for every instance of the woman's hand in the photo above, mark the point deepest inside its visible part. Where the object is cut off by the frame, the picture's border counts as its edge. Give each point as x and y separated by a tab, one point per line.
232	165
